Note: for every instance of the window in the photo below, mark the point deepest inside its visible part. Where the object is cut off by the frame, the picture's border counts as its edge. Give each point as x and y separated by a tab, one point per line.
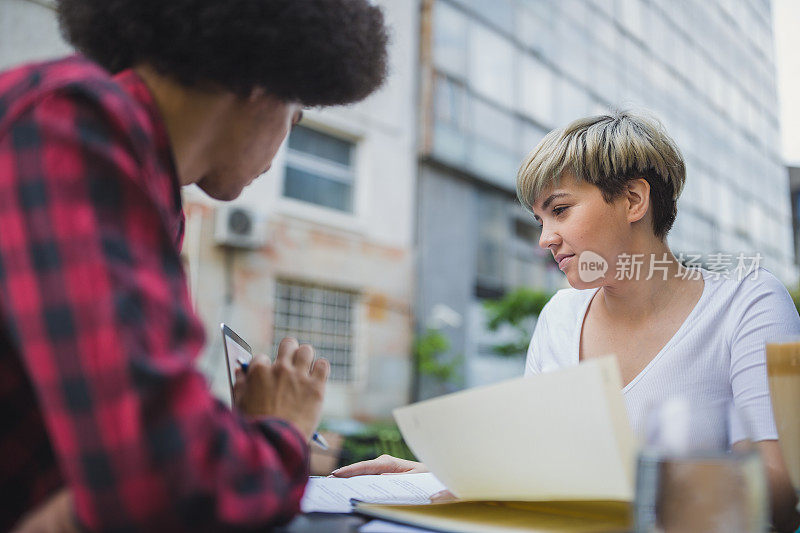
493	153
501	13
508	254
450	112
319	169
450	40
535	27
536	91
492	236
491	65
320	316
572	102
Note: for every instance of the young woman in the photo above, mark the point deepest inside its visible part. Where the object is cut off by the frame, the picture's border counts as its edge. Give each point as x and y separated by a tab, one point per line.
605	190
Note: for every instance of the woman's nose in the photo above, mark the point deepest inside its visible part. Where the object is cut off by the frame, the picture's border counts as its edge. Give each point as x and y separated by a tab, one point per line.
548	237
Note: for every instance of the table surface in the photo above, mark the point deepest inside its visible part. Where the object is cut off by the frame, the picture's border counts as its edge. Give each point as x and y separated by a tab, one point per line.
323	522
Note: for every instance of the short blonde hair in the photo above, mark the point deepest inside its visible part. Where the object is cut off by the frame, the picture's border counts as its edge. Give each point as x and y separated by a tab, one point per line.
608	151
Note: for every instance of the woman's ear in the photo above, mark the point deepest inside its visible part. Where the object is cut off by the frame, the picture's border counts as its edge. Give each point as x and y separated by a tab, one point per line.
638	199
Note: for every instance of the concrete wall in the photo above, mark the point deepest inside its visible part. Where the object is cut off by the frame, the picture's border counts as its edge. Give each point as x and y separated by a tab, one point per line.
448	248
28	32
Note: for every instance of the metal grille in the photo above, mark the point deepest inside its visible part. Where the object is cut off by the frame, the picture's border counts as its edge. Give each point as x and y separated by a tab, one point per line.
320	316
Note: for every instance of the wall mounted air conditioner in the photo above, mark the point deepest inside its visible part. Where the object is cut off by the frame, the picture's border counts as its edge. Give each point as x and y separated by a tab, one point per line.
239	227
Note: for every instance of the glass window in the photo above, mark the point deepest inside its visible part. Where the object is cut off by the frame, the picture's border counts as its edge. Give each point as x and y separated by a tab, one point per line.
493	125
631	16
606	6
500	13
449	40
605	33
450	102
493	152
530	137
320	316
573	51
450	114
319	169
492	236
536	91
535	28
571	102
491	65
660	38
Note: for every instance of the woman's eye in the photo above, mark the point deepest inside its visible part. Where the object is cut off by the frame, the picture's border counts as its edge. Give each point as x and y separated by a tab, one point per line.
558	210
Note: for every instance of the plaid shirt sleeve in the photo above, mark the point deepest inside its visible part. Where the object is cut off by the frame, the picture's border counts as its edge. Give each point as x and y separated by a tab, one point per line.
95	300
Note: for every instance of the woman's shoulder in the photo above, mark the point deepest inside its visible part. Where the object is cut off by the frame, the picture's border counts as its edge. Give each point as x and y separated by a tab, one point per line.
756	298
755	283
568	302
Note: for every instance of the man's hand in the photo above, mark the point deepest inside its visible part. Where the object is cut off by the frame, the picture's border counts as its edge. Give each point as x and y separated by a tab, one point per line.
291	388
385	464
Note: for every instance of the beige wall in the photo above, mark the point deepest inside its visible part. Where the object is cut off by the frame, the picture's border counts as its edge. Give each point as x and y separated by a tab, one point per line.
297	250
28	32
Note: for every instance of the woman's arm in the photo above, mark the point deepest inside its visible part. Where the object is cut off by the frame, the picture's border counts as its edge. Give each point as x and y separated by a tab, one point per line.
385	464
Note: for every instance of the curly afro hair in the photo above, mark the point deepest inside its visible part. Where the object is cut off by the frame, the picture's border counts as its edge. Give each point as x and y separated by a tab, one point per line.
316	52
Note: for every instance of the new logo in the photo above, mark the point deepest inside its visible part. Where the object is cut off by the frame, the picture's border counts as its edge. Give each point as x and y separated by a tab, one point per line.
591	266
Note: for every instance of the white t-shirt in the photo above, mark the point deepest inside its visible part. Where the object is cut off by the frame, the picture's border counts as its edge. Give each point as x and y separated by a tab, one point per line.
717	355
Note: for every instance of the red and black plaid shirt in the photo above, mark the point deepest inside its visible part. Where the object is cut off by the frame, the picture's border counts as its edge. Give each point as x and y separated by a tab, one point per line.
98	388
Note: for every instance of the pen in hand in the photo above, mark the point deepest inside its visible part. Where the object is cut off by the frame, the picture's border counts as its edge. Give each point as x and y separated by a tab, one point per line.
316	438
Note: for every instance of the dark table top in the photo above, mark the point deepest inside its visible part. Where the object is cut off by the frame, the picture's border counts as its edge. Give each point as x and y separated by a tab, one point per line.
324	523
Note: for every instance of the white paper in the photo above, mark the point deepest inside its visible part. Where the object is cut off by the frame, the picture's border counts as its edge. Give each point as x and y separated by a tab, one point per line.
381	526
332	495
561	435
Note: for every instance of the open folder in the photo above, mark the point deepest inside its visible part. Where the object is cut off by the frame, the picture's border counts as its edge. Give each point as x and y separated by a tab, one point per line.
550	452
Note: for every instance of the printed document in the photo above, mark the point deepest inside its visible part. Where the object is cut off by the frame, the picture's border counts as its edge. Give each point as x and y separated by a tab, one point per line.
333	495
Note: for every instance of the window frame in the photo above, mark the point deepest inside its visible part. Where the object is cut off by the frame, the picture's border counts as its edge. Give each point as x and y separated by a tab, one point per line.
323	168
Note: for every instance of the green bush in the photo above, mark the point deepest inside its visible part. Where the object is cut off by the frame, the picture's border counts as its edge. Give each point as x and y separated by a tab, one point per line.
428	349
796	298
515	309
375	439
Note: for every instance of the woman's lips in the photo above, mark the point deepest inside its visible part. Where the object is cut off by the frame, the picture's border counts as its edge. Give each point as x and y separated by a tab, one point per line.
564	261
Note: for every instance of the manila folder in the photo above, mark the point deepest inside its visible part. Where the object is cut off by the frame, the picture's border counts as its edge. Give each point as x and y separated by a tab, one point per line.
561	440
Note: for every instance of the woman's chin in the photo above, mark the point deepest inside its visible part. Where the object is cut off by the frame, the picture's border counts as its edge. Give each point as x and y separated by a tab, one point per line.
576	282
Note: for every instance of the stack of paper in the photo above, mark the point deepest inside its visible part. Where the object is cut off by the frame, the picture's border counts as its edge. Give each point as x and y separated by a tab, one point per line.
551	452
334	495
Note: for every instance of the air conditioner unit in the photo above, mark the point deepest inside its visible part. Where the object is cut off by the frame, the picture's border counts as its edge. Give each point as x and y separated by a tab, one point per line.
239	227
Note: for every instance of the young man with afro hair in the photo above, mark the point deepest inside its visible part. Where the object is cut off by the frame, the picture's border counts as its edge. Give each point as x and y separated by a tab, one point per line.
106	423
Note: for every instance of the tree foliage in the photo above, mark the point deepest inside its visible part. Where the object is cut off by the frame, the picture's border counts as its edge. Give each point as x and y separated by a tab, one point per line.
428	350
796	298
515	309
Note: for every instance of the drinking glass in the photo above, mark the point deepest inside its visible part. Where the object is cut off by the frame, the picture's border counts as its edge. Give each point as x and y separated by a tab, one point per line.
783	369
687	478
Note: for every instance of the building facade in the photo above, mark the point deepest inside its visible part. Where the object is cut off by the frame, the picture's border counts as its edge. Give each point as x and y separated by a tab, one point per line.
496	76
29	32
794	188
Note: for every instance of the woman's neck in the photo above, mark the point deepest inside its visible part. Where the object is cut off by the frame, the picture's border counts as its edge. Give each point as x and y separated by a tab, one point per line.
652	278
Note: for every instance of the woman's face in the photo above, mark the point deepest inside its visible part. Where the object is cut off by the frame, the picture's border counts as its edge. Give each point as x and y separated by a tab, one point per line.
582	231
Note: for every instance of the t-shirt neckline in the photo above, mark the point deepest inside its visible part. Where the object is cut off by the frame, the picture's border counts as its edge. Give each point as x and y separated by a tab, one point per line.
675	337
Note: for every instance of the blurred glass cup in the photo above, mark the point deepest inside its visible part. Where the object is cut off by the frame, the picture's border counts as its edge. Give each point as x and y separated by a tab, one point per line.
783	368
688	480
